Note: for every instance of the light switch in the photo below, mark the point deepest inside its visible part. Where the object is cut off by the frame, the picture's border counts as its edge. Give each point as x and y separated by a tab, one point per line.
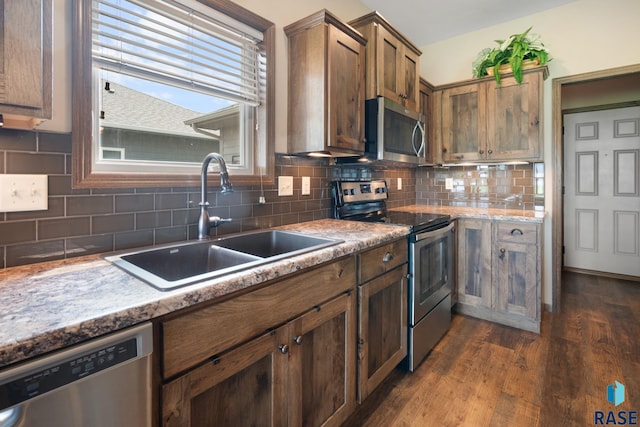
306	185
399	183
19	193
285	186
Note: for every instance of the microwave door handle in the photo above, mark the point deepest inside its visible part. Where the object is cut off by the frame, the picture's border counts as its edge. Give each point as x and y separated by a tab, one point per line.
413	138
422	146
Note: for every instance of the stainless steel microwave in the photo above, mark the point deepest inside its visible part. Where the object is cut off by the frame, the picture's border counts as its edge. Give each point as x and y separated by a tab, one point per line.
393	132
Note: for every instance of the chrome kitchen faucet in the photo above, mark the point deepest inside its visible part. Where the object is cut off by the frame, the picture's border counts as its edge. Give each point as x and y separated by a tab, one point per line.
205	222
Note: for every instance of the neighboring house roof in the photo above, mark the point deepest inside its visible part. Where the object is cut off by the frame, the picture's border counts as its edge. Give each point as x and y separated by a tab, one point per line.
128	108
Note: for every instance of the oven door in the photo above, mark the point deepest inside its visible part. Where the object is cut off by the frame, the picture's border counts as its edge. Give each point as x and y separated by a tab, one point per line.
431	261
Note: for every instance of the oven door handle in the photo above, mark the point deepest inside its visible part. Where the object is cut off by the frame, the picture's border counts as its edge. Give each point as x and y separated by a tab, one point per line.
434	233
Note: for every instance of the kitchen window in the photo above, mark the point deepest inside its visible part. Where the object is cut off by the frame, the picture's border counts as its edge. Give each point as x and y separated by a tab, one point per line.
169	82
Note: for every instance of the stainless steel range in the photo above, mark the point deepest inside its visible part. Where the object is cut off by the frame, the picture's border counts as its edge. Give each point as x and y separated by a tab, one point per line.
431	259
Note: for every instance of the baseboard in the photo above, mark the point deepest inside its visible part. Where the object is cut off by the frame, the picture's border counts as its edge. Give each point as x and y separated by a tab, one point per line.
602	274
497	317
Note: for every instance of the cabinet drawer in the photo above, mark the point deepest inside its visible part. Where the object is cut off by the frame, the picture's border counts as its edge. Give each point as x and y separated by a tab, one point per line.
194	337
516	232
384	258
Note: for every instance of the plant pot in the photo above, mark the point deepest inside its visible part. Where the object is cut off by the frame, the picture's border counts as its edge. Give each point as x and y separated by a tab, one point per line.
506	68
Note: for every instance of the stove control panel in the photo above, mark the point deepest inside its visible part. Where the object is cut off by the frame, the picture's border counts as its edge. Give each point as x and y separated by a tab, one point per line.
361	191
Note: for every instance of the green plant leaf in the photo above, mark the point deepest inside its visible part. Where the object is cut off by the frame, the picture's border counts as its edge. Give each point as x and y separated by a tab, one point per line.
513	50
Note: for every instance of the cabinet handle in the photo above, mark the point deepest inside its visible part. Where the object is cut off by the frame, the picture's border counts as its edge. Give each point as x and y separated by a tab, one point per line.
481	151
516	231
444	149
298	339
460	157
490	151
502	251
283	348
387	257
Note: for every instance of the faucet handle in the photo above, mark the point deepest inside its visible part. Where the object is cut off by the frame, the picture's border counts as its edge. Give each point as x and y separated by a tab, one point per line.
215	221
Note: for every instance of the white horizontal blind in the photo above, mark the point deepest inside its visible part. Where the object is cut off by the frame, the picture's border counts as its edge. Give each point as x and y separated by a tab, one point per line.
187	47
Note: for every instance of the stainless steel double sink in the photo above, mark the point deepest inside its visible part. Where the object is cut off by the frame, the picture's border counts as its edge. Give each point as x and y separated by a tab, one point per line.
177	265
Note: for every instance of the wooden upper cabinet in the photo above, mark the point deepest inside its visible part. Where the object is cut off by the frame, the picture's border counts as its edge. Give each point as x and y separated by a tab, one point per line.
483	121
25	62
514	118
393	62
428	102
326	86
464	135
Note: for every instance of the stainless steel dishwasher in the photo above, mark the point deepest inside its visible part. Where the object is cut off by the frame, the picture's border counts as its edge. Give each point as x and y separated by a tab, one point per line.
105	382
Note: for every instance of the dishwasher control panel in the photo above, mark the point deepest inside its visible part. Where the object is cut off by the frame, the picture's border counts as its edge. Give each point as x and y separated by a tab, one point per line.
43	379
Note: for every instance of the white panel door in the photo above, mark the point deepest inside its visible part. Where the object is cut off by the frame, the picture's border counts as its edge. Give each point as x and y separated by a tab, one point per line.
602	190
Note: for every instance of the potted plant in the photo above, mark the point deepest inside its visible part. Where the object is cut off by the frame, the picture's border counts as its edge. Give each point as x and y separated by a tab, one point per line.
515	53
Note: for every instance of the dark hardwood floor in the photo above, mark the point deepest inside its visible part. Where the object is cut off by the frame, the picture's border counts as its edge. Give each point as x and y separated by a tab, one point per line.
485	374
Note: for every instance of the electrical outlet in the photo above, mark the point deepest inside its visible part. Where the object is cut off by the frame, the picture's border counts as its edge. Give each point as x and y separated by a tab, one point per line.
306	185
285	186
399	183
448	183
20	193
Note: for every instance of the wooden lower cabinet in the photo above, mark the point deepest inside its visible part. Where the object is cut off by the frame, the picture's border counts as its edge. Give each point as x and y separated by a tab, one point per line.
474	282
322	376
282	355
382	313
500	271
518	269
299	374
382	330
246	386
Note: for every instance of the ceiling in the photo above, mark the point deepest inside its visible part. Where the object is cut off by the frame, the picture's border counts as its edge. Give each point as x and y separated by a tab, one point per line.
428	21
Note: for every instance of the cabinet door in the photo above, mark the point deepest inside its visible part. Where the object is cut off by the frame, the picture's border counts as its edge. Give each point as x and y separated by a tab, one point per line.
346	91
389	58
25	58
382	332
427	103
322	374
243	387
474	262
410	79
513	118
516	269
398	70
464	136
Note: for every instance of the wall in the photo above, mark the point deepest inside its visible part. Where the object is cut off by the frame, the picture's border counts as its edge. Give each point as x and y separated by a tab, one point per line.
82	222
499	186
582	36
623	89
283	13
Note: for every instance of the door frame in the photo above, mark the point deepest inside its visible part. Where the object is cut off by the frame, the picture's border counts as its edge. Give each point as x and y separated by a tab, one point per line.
557	153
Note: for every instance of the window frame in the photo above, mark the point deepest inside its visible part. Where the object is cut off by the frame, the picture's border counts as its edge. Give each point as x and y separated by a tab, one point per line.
84	174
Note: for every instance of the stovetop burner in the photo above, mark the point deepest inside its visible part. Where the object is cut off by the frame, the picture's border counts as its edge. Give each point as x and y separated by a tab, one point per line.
366	201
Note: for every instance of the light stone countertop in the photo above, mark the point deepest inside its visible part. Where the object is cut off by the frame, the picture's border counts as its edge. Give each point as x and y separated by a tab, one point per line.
520	215
51	305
